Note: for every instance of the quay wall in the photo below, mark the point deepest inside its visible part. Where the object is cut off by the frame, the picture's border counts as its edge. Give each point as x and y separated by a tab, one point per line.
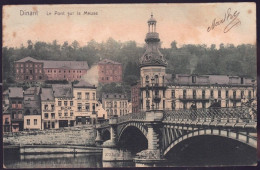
78	135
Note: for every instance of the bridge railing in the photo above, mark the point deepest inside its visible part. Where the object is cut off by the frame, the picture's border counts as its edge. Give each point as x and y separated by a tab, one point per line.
231	114
132	116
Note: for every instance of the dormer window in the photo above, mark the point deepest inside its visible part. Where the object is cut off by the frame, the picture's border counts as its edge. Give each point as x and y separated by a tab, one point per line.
193	79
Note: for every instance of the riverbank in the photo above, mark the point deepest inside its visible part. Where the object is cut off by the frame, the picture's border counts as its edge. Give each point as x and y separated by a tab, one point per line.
75	136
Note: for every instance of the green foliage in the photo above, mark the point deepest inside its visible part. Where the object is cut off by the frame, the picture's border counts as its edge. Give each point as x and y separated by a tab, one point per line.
199	59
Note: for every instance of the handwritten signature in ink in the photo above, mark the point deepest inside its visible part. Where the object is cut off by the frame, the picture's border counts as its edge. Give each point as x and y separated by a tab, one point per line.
230	18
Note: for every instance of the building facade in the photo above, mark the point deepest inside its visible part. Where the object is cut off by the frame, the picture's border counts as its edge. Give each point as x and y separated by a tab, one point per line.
64	105
6	120
49	116
109	71
163	91
204	91
85	103
115	104
16	106
135	97
32	122
29	69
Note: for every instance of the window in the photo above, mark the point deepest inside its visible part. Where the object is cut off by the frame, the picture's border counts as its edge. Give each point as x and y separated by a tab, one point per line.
163	93
249	95
184	94
87	106
147	93
35	121
203	105
234	104
184	105
156	79
227	103
227	94
46	107
173	94
242	94
71	103
46	115
93	107
65	103
19	104
211	93
194	94
234	94
242	80
65	113
203	94
94	96
79	106
59	103
79	95
87	96
173	105
53	115
60	114
219	93
193	79
163	104
13	104
28	121
52	107
71	113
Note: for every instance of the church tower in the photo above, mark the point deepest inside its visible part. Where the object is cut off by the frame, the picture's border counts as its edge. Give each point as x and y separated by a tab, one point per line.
152	70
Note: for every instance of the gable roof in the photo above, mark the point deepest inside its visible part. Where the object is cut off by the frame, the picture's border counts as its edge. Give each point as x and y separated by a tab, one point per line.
58	64
28	59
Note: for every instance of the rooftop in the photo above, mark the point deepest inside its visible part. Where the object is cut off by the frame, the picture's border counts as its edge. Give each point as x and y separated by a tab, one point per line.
107	61
15	92
47	94
62	90
83	84
59	64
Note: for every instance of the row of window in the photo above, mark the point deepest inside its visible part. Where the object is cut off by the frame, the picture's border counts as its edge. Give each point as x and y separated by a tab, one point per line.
65	103
74	71
110	78
29	65
58	76
173	104
110	112
121	104
79	95
29	121
87	107
194	93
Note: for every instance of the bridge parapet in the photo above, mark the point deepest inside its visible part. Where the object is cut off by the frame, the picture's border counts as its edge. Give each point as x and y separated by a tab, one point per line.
234	114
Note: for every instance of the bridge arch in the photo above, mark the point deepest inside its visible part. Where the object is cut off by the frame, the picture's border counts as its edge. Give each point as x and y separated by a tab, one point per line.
243	138
105	134
139	126
133	137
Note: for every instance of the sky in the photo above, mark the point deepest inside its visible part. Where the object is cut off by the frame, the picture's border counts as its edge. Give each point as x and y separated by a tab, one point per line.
184	23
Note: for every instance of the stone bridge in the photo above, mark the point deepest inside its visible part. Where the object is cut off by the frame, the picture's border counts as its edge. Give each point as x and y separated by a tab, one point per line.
152	134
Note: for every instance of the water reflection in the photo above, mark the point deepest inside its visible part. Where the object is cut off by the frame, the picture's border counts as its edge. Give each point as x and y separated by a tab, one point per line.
92	160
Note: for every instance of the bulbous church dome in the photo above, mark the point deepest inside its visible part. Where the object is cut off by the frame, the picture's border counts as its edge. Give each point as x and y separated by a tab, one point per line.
152	55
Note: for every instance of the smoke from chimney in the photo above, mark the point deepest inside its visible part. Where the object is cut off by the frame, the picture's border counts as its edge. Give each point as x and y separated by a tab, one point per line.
92	75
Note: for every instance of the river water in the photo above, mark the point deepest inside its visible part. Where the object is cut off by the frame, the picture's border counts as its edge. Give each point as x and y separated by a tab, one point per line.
201	151
92	160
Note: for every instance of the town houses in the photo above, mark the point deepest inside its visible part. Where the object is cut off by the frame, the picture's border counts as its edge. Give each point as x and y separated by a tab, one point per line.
29	69
75	103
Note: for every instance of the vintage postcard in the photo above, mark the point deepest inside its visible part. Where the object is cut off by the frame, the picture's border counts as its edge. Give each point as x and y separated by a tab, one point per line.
129	85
